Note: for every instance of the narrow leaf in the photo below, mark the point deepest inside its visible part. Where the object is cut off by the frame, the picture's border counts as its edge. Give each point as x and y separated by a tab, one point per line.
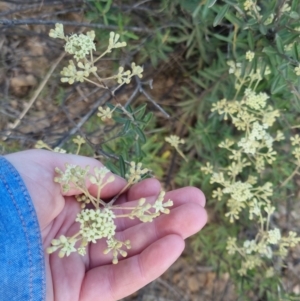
122	167
141	134
219	17
211	3
250	40
279	44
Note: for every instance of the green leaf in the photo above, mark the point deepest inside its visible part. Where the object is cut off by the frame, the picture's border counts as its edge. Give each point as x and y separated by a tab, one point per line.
196	11
219	17
270	50
295	51
191	38
120	22
186	23
231	17
148	117
129	109
295	5
131	35
250	40
105	20
199	82
277	85
112	167
283	66
223	38
263	29
138	149
122	167
211	3
99	7
126	126
140	111
294	15
279	44
107	6
263	67
111	106
141	134
120	119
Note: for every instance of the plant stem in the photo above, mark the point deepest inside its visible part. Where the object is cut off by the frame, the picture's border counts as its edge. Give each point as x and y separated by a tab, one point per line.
290	177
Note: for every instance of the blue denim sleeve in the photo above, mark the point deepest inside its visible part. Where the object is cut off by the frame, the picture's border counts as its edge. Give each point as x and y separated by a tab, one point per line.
22	267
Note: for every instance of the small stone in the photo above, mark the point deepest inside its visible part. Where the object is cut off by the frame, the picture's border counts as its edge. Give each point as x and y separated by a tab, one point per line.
193	284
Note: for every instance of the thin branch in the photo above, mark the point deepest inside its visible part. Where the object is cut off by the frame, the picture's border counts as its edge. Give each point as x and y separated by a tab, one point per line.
32	7
132	97
35	95
141	89
104	98
60	12
9	23
154	103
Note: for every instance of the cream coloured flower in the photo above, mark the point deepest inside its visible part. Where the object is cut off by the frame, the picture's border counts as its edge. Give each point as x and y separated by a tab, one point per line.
297	70
104	113
250	55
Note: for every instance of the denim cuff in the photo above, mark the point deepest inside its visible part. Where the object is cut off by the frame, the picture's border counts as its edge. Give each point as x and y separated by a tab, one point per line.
22	266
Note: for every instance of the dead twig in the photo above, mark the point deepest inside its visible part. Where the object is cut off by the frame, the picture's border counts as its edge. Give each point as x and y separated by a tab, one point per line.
104	98
35	95
9	23
142	90
33	7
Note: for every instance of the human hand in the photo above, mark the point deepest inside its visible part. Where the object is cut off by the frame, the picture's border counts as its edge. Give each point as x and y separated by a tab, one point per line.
155	245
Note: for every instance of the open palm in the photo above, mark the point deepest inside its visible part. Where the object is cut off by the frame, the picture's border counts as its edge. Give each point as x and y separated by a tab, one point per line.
155	245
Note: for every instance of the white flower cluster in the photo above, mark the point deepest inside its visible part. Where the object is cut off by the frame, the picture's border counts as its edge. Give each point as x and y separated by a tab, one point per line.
274	236
99	222
41	144
252	9
114	246
251	114
65	244
96	224
78	140
58	32
124	77
80	45
143	210
175	141
59	150
254	100
99	175
114	41
235	68
297	70
73	174
160	205
257	139
296	151
71	74
104	114
135	172
250	55
239	191
254	250
83	200
248	4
